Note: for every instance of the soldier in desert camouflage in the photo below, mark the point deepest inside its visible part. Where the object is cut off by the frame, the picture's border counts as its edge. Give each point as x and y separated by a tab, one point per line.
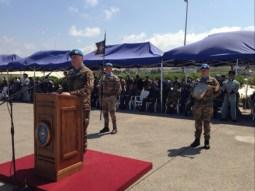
110	89
203	107
80	82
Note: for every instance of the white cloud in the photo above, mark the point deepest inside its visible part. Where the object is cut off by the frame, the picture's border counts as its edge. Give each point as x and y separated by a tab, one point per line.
73	9
109	13
168	41
91	3
76	11
89	48
135	37
10	45
86	32
250	28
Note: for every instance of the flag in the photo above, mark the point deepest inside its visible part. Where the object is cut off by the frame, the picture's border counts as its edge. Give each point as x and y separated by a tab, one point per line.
101	46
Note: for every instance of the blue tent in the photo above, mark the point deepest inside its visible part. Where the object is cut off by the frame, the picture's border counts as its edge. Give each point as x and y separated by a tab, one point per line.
6	59
127	55
44	60
216	47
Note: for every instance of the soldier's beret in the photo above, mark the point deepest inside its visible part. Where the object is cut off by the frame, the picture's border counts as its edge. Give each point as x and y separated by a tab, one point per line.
204	66
108	64
76	52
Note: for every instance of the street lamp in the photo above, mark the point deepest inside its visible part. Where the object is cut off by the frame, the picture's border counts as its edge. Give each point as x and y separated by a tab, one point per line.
186	21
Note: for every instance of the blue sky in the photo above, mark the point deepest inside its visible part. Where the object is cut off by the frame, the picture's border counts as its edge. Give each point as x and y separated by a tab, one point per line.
31	25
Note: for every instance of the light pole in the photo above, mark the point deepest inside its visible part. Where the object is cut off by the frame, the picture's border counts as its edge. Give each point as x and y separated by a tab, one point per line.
186	20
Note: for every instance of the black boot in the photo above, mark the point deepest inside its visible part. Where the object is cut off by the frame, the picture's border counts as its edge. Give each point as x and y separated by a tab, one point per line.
114	124
105	130
195	143
207	144
114	131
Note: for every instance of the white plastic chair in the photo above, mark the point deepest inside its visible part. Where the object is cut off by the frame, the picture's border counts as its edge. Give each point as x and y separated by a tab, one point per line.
4	92
137	101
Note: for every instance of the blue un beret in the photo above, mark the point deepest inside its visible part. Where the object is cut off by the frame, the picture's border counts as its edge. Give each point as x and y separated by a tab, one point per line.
76	52
108	64
204	66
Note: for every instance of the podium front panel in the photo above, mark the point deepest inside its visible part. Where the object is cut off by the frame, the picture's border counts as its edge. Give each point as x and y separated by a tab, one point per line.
58	135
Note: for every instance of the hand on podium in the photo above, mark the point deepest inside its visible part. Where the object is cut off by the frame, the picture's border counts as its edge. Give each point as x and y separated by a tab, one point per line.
65	93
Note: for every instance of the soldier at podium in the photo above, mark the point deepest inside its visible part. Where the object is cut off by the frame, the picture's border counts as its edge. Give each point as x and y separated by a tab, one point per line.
80	82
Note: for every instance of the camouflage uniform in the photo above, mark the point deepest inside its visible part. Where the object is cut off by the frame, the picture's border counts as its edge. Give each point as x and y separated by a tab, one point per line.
81	83
230	87
110	89
203	109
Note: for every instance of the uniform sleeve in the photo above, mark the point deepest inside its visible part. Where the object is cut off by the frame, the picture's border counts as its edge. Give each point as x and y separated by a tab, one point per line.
237	86
223	88
217	86
88	86
100	88
118	86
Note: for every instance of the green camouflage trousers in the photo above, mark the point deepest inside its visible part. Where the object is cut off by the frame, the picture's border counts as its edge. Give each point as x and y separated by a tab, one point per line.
202	115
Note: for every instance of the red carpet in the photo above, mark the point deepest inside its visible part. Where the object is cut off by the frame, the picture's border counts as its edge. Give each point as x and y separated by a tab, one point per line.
101	172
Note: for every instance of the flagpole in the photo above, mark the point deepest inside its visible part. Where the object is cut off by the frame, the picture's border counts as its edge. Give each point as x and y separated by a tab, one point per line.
102	74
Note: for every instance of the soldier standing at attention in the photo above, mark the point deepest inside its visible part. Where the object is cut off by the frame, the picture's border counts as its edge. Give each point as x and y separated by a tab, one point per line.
80	82
203	106
230	90
110	89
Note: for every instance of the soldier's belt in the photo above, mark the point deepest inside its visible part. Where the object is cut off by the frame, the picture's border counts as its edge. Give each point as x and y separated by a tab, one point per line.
108	95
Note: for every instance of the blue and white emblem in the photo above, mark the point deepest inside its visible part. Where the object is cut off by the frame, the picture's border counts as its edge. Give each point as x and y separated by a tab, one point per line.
42	134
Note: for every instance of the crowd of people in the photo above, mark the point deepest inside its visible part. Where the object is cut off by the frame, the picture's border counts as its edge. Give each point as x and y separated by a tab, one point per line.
139	94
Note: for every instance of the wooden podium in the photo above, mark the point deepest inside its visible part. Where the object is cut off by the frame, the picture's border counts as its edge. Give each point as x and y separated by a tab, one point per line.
57	135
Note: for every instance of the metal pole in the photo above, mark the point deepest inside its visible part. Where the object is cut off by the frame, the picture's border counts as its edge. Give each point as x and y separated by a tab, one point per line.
185	74
236	69
34	88
8	83
186	21
161	86
102	74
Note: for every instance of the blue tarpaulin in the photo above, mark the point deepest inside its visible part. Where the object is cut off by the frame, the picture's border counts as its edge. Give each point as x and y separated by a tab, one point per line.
45	60
6	59
221	46
121	55
127	55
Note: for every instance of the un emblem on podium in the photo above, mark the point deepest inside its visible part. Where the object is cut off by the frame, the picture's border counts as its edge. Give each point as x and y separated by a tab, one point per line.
42	134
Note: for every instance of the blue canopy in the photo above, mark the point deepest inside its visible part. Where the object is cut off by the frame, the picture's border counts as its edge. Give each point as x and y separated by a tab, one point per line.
6	59
127	55
221	46
44	60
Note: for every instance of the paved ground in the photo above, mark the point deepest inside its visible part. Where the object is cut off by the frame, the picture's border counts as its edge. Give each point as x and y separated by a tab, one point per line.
228	166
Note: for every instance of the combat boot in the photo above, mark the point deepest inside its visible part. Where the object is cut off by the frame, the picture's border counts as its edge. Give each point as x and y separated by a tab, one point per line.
207	144
114	130
105	130
195	143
